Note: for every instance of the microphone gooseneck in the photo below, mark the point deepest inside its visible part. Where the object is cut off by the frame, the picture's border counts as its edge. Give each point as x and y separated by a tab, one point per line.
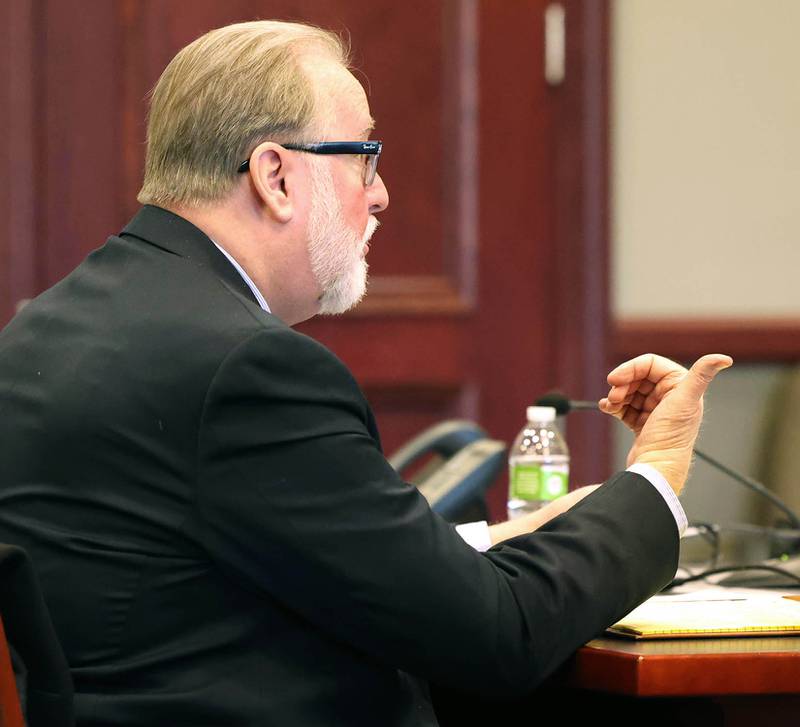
562	404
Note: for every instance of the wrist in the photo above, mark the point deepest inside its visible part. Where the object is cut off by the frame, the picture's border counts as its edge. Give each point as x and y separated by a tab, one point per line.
518	526
674	472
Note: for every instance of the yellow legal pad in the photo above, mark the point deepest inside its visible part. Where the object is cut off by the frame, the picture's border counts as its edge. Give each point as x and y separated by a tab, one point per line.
659	618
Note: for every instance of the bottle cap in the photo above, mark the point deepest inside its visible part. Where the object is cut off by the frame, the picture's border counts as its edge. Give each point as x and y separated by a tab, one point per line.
541	414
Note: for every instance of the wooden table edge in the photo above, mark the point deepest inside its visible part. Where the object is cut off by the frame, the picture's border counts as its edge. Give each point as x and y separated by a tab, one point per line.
616	671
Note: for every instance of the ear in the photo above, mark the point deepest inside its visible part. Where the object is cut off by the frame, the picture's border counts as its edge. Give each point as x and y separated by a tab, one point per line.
270	165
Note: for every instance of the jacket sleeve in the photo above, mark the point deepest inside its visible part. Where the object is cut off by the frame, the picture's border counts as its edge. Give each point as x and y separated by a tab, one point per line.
296	501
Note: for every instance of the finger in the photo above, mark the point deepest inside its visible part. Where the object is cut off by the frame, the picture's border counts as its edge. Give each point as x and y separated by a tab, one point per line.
626	391
641	420
613	407
651	402
662	388
630	418
629	371
617	394
622	395
607	407
639	401
633	401
648	366
703	372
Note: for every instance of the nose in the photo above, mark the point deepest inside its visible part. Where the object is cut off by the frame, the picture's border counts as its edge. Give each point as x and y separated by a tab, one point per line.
378	195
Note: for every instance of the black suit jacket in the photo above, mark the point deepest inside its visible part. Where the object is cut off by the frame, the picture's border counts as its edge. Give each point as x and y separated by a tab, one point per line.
44	686
219	538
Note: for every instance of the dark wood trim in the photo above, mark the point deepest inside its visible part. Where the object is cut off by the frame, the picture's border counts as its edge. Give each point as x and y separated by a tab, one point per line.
21	163
746	339
80	131
147	47
511	343
399	395
580	306
425	351
412	295
556	233
132	105
459	144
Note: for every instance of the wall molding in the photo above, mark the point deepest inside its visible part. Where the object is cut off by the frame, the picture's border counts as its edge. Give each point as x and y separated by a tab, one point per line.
411	295
684	339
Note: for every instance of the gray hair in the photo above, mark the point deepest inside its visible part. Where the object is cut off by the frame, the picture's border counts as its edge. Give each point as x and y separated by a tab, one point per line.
221	96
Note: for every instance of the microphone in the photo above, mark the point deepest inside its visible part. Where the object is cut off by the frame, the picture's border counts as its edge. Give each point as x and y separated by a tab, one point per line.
563	405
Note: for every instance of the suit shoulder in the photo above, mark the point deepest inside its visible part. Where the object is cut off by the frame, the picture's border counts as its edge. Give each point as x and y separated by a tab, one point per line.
280	385
287	356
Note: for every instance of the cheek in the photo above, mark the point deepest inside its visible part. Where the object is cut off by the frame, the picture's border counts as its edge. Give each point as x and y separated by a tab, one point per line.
358	218
355	208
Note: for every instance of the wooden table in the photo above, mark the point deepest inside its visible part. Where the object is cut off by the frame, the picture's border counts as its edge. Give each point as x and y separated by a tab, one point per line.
746	682
708	682
717	682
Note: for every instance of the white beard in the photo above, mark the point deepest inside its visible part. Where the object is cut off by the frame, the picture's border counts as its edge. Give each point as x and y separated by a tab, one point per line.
334	249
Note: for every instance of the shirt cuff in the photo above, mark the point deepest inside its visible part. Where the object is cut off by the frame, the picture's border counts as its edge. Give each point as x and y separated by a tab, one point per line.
476	534
652	475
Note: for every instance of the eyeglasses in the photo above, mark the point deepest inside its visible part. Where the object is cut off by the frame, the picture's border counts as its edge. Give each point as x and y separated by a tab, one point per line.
370	150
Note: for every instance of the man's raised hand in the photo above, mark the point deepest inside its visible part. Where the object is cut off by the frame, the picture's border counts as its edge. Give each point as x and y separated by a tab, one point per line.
662	403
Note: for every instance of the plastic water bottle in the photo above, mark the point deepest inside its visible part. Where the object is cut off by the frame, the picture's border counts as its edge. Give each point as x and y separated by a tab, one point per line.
538	463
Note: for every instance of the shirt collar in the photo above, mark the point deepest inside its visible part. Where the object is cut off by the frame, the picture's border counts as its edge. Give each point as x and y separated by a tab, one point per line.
250	284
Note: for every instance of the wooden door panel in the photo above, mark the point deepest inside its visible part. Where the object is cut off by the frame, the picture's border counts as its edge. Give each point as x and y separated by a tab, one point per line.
18	203
78	132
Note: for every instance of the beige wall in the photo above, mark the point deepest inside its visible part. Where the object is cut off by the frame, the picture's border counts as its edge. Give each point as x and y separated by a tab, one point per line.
706	197
706	158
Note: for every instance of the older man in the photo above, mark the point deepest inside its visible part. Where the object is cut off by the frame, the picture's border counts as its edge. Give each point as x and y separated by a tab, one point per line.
220	539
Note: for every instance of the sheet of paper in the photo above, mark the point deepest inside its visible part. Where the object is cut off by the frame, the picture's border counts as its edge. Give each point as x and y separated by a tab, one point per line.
712	614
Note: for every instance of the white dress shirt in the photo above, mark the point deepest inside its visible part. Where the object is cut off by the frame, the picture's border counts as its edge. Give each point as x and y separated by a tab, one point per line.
245	277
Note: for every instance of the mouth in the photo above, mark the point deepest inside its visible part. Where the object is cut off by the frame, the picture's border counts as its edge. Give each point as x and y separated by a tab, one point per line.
372	225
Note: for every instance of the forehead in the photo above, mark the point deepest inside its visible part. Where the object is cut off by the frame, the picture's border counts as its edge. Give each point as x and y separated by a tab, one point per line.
343	103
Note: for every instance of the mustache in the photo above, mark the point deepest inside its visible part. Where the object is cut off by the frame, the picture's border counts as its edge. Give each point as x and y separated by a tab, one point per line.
372	224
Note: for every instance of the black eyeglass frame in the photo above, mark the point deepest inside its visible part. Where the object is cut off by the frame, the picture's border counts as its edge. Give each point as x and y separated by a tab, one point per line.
370	149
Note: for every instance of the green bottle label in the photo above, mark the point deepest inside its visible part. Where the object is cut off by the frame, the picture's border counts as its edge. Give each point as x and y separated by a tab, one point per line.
535	481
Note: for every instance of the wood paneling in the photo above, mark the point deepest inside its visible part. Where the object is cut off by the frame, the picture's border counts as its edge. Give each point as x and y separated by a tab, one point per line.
78	188
412	295
755	339
581	253
545	240
515	328
430	350
20	159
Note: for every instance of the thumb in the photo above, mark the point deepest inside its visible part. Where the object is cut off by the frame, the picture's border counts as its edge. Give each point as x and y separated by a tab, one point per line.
703	372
